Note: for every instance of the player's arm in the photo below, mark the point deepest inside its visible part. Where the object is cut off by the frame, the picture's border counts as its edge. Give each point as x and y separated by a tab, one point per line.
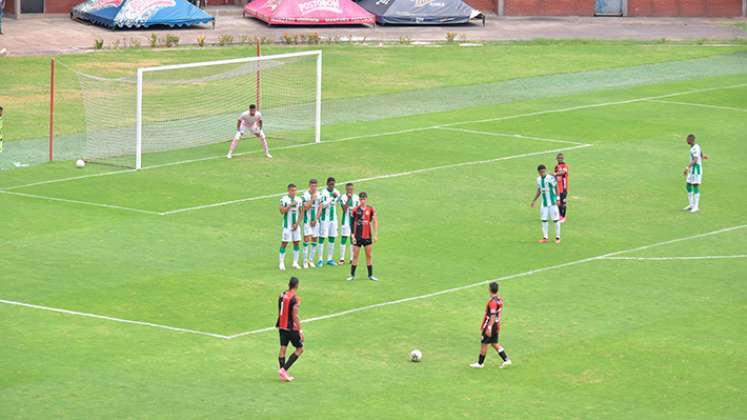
536	196
297	319
493	310
259	123
353	225
375	221
283	208
238	124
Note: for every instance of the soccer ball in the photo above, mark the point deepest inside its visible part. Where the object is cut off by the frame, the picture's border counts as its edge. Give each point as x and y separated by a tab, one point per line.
416	356
80	163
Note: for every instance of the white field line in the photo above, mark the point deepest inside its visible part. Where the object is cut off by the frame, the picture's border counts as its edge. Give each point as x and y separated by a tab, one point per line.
389	133
378	177
727	108
603	104
109	318
79	202
498	279
509	135
368	307
704	257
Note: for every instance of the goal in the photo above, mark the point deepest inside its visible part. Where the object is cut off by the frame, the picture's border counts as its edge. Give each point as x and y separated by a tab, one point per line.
182	112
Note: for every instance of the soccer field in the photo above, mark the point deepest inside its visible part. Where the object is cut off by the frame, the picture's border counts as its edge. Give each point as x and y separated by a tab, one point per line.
152	293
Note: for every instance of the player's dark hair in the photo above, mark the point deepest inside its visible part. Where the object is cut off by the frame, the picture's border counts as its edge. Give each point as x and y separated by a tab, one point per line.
494	287
559	155
362	195
293	283
689	136
291	185
349	184
331	179
312	181
252	106
541	167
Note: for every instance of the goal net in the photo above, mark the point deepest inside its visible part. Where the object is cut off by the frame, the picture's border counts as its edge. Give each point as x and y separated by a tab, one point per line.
181	112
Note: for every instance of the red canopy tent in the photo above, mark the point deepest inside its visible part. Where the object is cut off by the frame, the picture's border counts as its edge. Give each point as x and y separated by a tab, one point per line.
309	12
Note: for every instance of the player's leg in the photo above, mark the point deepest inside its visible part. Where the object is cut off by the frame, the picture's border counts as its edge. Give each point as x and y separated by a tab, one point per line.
331	237
235	141
502	352
556	220
284	340
697	179
562	205
369	262
306	240
281	255
320	248
260	134
343	243
356	249
296	249
544	213
690	197
483	351
314	244
295	339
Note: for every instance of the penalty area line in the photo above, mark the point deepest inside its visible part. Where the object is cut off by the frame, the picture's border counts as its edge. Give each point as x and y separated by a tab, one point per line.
702	257
721	107
113	319
80	202
498	279
378	177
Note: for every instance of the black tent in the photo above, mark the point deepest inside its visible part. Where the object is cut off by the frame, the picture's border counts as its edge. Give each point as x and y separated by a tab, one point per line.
421	12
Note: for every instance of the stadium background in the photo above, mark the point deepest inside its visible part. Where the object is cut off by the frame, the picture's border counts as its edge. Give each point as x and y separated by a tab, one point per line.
639	8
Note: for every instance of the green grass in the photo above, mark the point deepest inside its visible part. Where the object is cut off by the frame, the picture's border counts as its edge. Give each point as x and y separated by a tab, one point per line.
596	339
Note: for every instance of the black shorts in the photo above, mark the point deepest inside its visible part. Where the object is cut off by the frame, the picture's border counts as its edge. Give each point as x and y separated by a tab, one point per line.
293	337
562	197
359	241
492	339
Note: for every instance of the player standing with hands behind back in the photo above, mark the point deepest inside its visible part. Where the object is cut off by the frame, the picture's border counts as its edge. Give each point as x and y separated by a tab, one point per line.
364	235
491	327
694	174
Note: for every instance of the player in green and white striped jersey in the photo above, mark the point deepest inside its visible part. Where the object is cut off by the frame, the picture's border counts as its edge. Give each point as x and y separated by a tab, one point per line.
348	202
328	222
694	174
547	188
291	208
311	202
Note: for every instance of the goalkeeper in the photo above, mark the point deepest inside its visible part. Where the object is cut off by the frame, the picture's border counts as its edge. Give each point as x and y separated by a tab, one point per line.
249	120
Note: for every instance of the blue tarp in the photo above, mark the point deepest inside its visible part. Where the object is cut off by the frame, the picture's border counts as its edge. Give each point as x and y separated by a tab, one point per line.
140	13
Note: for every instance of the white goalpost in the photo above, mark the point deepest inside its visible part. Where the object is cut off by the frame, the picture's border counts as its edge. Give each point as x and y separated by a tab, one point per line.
183	111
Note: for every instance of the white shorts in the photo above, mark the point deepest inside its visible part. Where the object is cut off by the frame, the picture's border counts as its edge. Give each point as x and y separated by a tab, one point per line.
549	212
345	230
254	130
328	229
312	231
290	235
694	178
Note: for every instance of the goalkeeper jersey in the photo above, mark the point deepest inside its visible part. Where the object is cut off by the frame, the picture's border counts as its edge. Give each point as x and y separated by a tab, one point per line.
548	187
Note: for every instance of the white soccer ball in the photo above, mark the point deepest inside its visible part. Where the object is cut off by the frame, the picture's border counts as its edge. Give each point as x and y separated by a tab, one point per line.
80	163
416	355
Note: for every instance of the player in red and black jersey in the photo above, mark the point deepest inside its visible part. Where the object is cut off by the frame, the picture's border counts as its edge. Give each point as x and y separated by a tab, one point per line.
561	175
289	327
491	327
365	234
